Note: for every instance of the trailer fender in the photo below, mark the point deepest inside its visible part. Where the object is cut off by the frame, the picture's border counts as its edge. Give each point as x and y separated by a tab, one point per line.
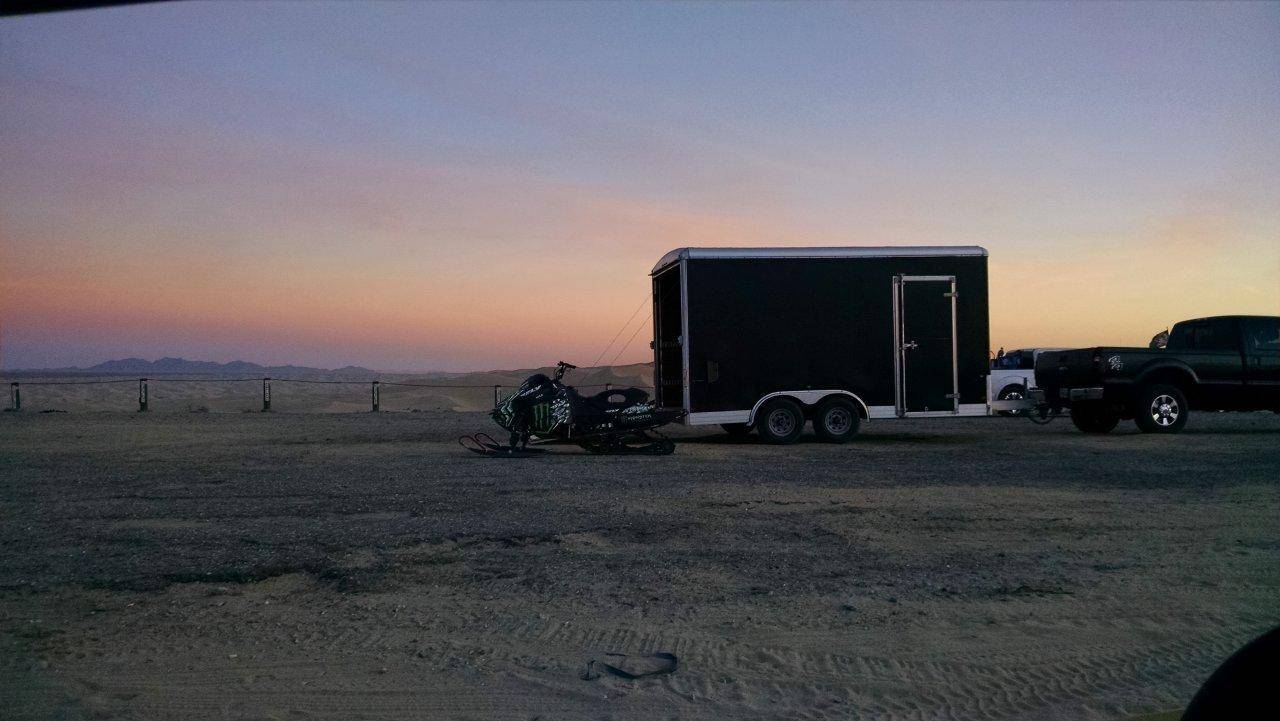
809	398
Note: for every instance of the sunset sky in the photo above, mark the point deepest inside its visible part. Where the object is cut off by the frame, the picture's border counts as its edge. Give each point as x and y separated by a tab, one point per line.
472	186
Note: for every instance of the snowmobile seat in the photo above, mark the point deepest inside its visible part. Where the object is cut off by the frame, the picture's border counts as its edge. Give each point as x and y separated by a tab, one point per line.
616	398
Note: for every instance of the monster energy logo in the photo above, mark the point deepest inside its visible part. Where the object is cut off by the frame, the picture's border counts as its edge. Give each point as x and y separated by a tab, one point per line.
542	420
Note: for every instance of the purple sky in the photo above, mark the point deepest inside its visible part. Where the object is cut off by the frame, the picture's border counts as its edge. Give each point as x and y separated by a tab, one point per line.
462	186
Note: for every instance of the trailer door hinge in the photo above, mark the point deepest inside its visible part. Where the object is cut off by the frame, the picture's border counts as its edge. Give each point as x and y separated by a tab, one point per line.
956	294
953	396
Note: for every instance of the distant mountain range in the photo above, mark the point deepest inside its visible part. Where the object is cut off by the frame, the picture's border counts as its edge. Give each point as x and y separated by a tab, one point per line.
175	366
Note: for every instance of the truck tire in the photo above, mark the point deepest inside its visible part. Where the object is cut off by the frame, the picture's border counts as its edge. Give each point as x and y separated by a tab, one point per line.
836	421
736	430
1160	408
780	421
1014	392
1091	418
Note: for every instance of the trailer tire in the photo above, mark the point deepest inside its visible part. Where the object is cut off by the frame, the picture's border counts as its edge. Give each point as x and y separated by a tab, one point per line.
1095	419
1160	408
836	420
780	421
736	430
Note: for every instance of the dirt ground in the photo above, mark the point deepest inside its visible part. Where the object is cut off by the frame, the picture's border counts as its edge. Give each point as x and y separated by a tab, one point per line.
362	566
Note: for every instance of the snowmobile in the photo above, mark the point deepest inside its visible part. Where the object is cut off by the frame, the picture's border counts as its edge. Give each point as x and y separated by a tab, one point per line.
545	410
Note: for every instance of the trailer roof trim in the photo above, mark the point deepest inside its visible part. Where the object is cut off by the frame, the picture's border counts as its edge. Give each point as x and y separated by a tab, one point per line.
880	251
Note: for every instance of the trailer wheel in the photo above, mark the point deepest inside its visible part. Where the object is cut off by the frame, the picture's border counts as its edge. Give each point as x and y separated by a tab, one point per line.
736	430
1094	418
780	421
1160	409
836	421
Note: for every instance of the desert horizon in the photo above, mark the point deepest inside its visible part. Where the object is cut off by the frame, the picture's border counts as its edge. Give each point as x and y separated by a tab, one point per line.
314	390
167	364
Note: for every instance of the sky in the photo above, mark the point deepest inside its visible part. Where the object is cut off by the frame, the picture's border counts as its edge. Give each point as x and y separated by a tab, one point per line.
472	186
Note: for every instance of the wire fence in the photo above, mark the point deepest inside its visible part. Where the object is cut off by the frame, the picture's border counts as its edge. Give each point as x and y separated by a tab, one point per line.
375	387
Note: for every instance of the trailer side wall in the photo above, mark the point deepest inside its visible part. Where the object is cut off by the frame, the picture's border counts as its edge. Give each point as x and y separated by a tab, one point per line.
770	324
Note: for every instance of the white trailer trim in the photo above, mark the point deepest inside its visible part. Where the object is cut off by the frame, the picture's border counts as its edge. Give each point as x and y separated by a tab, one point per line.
881	412
1026	404
966	410
877	251
808	398
715	418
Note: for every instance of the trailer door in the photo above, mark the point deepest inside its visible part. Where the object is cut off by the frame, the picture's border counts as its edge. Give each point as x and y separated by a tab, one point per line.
926	378
668	337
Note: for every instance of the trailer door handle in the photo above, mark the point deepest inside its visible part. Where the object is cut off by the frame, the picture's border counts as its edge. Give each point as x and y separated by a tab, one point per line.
910	345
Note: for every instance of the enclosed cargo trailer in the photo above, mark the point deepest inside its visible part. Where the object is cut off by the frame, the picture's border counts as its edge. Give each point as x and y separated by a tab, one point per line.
773	337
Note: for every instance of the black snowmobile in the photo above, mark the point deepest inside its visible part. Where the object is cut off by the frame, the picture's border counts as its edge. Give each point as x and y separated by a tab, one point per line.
616	421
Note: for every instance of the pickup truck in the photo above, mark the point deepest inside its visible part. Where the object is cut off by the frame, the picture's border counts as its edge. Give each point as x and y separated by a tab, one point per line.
1224	363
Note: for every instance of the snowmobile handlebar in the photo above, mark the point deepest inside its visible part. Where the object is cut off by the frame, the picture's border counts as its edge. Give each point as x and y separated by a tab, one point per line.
561	367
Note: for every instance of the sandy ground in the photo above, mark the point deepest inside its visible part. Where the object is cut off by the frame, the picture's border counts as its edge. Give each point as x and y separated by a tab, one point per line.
360	566
322	391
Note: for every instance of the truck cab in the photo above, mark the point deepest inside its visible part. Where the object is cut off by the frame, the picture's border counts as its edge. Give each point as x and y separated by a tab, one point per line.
1221	363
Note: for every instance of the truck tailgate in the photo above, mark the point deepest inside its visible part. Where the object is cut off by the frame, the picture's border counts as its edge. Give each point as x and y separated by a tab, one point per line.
1067	369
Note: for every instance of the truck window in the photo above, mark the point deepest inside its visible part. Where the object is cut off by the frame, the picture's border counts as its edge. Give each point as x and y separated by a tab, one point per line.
1181	337
1216	334
1263	334
1211	334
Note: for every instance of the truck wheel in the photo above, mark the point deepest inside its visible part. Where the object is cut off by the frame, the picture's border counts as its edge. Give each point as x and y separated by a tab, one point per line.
736	430
780	421
1160	409
1015	392
1094	418
836	421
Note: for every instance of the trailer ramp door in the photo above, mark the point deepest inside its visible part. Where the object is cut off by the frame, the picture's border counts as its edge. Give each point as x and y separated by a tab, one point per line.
926	379
668	337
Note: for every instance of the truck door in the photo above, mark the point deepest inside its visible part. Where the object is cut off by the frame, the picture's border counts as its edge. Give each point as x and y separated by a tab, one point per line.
925	367
1262	361
1219	359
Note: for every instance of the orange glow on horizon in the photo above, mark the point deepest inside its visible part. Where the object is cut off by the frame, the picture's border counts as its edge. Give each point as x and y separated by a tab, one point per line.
424	187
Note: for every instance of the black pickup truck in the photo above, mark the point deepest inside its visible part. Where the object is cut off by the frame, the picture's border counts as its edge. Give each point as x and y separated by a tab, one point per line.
1224	363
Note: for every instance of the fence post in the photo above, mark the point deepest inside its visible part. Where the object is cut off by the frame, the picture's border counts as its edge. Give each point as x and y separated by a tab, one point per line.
266	395
142	395
376	393
608	387
15	397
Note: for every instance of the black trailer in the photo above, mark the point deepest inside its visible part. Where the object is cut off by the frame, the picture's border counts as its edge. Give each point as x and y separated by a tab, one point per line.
769	338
